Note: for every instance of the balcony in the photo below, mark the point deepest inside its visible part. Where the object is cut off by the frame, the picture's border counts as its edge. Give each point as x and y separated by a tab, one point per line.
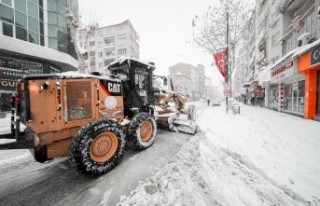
290	5
263	45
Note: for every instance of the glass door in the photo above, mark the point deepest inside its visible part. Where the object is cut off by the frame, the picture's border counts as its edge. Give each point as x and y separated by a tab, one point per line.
301	88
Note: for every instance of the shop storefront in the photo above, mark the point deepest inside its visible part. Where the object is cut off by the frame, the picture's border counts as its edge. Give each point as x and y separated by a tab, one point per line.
309	65
14	67
286	91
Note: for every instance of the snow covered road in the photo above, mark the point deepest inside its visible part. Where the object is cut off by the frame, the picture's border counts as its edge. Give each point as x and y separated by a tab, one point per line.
26	182
260	157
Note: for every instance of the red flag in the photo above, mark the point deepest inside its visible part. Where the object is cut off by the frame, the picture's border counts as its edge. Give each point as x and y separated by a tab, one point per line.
220	58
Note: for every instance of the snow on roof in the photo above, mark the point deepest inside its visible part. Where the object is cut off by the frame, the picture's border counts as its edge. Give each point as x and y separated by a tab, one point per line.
37	51
70	74
291	54
304	49
123	59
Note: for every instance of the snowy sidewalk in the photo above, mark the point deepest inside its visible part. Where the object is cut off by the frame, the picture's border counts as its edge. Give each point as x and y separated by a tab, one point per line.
260	157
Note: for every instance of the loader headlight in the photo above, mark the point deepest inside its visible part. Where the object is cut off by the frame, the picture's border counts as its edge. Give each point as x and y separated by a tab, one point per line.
110	102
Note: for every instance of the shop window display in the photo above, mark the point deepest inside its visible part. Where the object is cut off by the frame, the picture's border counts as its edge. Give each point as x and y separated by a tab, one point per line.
288	97
301	96
274	92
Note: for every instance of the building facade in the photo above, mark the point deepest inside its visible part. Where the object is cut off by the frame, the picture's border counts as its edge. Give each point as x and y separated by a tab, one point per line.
34	39
290	77
195	73
105	44
181	84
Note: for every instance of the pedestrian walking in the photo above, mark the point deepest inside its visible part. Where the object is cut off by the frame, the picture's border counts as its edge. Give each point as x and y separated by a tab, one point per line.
208	100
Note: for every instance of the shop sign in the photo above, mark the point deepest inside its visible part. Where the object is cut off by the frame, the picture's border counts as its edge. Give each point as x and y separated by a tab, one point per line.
282	72
6	84
315	55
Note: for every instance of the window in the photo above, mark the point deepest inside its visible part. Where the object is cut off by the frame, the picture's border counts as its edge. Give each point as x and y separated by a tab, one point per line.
92	63
21	5
6	13
52	18
41	40
7	2
53	43
92	53
52	5
53	31
32	10
34	1
100	33
109	53
7	29
21	33
109	41
62	40
21	19
122	41
62	21
41	28
100	64
100	54
301	88
100	44
92	43
33	37
122	51
41	14
275	38
33	24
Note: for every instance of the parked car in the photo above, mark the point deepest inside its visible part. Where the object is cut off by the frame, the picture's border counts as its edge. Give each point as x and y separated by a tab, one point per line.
216	102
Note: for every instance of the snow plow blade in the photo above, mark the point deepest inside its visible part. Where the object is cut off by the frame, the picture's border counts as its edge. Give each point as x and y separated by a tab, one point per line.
186	126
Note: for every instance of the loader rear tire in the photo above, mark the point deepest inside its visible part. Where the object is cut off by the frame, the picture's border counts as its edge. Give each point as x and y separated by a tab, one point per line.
142	131
97	147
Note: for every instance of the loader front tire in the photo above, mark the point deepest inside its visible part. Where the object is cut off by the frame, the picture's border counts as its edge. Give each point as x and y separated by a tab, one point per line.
97	147
142	131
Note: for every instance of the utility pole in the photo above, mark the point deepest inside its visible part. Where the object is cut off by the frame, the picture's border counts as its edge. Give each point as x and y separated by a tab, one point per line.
227	53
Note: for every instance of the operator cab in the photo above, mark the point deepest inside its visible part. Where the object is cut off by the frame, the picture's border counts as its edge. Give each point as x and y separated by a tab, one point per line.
136	78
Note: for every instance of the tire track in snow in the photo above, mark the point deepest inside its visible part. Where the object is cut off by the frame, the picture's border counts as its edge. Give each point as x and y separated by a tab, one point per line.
241	161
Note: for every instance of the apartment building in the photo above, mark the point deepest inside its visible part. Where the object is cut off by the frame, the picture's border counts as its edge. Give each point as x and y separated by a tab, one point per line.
105	44
34	39
288	72
181	83
195	73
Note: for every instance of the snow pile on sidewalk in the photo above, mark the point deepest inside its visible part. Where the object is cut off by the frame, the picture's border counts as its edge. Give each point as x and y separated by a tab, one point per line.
240	160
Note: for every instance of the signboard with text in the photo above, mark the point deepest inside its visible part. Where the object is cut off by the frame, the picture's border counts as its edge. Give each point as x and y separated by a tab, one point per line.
7	84
315	55
282	72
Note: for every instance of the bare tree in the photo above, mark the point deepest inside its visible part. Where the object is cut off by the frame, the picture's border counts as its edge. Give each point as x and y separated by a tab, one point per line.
210	29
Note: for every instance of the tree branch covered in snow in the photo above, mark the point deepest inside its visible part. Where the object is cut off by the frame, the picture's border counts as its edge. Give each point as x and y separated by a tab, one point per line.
209	29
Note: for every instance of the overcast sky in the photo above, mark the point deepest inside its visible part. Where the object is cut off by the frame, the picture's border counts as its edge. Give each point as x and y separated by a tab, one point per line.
164	26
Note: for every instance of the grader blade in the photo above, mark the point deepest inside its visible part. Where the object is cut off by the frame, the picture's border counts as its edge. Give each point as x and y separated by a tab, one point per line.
186	126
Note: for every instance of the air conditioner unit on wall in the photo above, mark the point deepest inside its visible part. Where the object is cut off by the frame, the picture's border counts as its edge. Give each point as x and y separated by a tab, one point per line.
296	22
303	39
